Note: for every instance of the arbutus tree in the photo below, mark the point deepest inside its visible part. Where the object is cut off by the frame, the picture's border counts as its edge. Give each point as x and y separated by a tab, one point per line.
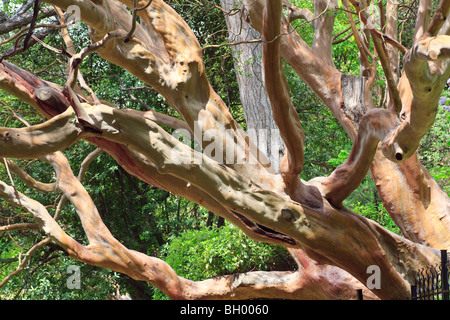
335	248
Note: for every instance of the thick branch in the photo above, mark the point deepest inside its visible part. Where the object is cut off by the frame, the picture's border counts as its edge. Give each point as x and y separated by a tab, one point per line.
29	180
165	54
423	18
40	214
18	21
298	13
426	71
323	33
409	187
37	141
276	85
306	225
438	19
105	251
392	32
51	100
373	128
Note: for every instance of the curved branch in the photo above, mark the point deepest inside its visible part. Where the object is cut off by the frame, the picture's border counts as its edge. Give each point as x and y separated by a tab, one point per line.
19	226
298	13
426	72
379	40
83	168
165	54
49	99
374	127
305	225
438	19
324	79
276	86
40	214
32	24
33	142
375	33
29	180
105	251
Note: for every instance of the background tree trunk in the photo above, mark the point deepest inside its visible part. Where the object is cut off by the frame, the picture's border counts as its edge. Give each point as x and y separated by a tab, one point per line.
261	127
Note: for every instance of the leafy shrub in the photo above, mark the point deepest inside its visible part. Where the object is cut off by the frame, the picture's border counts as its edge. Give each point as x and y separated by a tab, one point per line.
210	252
376	212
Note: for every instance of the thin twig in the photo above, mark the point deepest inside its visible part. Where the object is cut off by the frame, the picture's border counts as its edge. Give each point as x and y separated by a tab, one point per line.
379	40
231	43
25	261
33	23
375	32
7	55
41	25
133	25
49	47
19	226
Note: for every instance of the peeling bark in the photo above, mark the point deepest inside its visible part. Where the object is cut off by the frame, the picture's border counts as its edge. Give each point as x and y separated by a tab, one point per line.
307	226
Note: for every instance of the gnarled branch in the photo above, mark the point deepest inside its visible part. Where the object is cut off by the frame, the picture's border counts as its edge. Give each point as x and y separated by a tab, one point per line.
375	126
276	86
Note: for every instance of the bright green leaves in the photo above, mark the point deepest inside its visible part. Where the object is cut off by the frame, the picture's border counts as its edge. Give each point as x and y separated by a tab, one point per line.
342	156
377	213
434	151
209	252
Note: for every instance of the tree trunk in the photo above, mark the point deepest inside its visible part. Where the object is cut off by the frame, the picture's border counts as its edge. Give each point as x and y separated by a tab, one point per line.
261	127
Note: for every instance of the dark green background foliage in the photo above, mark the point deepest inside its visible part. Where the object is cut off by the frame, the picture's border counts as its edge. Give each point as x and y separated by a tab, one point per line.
196	243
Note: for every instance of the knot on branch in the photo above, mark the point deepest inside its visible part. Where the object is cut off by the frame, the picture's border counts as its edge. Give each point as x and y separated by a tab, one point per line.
5	136
51	100
287	215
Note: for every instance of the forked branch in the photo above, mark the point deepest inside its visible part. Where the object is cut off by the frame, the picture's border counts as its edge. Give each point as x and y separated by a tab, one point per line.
438	19
375	126
379	41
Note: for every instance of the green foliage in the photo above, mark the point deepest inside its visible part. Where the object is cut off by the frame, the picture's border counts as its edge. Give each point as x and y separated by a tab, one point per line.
209	252
342	156
434	152
376	212
45	278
